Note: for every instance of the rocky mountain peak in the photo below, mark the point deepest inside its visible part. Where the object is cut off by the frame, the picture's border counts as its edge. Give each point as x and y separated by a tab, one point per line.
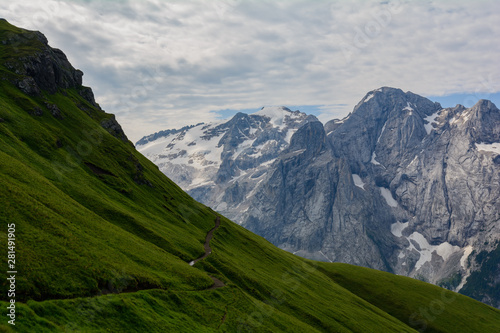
273	112
384	125
227	158
282	117
483	121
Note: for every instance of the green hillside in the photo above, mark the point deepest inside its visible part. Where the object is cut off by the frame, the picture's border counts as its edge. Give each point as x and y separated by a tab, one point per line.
103	239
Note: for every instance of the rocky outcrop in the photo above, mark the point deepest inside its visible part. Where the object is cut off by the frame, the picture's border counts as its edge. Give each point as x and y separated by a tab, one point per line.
54	110
114	128
43	68
39	68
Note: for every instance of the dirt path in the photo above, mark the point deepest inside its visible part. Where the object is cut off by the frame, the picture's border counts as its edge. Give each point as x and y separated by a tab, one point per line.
210	235
208	250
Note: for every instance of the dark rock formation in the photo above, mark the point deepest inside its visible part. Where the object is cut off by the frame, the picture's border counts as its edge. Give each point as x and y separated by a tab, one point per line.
114	128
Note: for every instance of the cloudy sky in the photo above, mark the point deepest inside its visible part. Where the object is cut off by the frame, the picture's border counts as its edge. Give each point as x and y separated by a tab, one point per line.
165	64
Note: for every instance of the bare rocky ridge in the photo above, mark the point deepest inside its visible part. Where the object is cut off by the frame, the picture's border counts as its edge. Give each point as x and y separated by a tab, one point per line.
401	184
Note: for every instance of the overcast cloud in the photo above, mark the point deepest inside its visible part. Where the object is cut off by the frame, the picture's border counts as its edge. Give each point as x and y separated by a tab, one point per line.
165	64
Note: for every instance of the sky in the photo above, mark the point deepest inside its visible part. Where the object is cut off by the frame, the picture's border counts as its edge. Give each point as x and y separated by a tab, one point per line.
166	64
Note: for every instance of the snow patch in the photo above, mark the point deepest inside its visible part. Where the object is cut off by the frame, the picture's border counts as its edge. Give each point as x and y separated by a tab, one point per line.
242	147
381	132
430	120
489	147
201	181
256	187
369	97
289	135
222	206
386	193
357	181
154	147
444	250
425	251
408	107
267	163
341	121
187	148
325	256
373	160
199	150
398	227
276	113
461	118
467	116
414	160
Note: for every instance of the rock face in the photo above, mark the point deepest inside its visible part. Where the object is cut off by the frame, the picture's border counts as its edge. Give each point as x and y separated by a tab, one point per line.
40	69
48	68
401	184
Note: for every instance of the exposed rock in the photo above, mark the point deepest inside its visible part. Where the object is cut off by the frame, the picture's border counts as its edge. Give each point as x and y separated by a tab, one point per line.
139	177
54	110
114	128
401	184
28	86
88	95
36	111
49	67
45	68
98	170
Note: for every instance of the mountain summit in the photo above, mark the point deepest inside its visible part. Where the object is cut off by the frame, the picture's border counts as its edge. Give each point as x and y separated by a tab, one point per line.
225	159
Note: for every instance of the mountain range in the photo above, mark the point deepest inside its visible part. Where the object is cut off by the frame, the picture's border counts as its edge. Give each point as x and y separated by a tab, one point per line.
105	242
401	184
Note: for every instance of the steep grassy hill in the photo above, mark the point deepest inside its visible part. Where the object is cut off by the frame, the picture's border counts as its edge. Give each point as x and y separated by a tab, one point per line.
104	239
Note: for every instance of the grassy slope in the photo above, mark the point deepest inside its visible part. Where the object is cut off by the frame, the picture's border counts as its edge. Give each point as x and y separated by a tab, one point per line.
81	235
424	306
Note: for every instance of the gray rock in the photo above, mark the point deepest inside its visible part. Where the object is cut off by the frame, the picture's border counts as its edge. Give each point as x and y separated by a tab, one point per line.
44	69
54	110
36	111
114	128
401	184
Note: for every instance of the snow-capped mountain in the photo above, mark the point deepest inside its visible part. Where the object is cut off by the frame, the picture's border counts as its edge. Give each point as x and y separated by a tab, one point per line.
401	184
220	163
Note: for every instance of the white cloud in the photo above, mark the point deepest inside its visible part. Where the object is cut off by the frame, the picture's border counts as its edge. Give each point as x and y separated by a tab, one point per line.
163	64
